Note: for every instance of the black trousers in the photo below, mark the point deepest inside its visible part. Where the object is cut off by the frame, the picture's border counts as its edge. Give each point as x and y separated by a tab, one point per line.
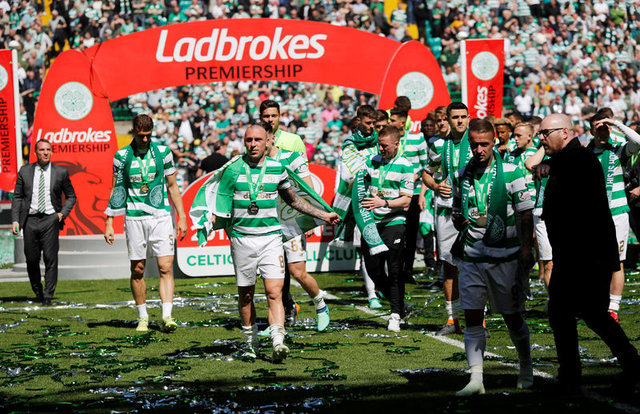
583	293
41	237
410	237
429	248
391	285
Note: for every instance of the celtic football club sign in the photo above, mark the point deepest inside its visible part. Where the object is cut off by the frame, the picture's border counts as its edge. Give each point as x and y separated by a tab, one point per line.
73	101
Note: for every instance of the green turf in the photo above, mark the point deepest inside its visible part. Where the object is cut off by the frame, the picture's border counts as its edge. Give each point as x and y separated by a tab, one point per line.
84	355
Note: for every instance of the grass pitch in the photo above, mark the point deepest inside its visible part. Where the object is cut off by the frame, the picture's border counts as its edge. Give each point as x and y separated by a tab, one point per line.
84	355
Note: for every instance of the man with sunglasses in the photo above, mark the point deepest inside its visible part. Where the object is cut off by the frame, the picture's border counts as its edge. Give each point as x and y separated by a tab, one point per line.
144	176
585	253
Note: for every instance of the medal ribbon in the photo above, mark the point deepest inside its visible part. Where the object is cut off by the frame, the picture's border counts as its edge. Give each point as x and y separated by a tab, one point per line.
497	201
383	172
254	189
145	165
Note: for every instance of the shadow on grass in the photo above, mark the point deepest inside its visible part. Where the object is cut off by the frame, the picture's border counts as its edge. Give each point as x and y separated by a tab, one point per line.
19	299
428	390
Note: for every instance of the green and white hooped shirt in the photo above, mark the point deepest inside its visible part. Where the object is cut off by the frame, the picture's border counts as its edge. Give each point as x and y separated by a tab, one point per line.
414	149
267	178
390	180
518	199
613	177
137	206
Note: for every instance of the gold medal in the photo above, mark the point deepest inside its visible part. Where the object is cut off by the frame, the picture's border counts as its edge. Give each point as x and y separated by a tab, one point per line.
481	221
144	189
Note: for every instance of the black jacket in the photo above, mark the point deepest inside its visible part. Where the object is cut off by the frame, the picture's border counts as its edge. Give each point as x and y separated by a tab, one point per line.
576	211
60	183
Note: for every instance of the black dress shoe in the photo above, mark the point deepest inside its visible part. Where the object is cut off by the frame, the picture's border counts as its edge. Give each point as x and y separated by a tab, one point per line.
47	302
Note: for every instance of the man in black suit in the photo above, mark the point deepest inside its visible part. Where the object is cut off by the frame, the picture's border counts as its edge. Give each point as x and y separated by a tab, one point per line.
37	209
585	252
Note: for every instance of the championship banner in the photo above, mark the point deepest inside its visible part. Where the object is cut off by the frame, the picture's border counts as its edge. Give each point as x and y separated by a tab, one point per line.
214	259
483	76
74	111
10	136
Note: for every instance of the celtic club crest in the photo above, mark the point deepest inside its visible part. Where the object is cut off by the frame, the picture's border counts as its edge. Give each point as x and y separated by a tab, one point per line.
371	235
119	197
4	78
485	66
156	196
73	101
417	87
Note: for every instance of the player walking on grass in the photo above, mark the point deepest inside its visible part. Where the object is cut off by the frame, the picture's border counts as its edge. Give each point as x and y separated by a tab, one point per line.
446	155
610	156
254	182
486	195
390	193
270	113
295	249
142	174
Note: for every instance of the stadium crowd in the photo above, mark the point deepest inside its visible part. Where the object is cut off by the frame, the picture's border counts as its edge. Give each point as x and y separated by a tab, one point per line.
561	56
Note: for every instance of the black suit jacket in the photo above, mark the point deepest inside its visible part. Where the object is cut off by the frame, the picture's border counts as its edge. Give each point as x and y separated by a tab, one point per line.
576	212
60	183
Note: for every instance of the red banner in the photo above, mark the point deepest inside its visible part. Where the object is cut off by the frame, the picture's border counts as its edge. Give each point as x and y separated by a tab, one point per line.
483	76
74	112
76	118
10	137
214	259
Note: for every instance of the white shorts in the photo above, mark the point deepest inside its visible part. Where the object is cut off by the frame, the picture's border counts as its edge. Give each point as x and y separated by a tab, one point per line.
295	249
544	247
446	234
499	283
149	237
622	233
257	254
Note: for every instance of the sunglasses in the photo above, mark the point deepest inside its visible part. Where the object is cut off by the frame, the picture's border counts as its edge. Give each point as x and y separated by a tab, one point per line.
545	132
144	135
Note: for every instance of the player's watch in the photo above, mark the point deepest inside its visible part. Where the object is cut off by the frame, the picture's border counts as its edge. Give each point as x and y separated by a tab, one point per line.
386	203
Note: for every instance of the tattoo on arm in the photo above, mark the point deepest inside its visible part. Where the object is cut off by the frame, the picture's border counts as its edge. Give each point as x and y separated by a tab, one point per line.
290	197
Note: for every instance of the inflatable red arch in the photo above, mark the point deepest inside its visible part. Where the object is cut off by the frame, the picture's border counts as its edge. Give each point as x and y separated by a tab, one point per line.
74	110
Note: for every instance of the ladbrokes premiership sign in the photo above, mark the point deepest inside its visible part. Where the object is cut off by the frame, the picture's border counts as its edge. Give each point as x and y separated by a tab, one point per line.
74	112
483	76
10	137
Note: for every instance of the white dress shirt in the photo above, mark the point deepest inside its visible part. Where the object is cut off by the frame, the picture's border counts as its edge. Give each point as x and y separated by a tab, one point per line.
33	208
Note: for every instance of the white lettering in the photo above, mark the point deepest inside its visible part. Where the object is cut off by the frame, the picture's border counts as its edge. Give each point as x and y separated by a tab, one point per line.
160	57
253	49
481	101
222	46
233	47
211	42
315	39
298	44
190	42
64	136
243	41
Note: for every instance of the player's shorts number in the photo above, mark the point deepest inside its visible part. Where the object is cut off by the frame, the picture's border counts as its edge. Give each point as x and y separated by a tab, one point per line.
281	261
294	245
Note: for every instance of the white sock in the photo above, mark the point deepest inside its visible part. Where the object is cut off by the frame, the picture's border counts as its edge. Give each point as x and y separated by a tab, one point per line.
520	339
456	308
448	305
251	335
474	345
368	282
614	302
142	311
319	301
277	334
166	309
476	372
